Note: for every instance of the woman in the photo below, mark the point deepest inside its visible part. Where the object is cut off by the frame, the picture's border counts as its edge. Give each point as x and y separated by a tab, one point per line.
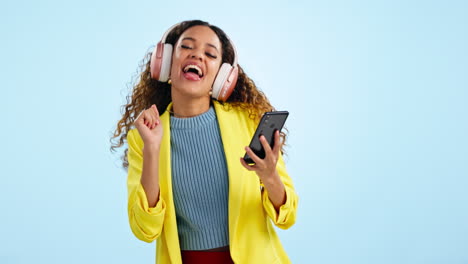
194	111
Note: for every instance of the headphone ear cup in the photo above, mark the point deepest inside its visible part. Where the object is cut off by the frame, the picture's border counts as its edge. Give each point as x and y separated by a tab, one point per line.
161	59
225	82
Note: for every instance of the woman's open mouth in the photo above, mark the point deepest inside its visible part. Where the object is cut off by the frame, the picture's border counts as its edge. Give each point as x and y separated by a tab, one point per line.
192	72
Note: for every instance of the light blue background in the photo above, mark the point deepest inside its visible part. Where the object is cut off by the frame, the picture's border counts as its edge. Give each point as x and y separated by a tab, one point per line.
378	149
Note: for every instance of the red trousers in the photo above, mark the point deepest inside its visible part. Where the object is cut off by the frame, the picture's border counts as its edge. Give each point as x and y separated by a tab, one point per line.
206	257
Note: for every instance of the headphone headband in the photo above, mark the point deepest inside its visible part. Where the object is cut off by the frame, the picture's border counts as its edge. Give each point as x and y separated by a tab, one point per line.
164	37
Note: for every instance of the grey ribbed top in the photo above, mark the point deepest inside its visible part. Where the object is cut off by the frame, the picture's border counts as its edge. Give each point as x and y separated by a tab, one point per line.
199	182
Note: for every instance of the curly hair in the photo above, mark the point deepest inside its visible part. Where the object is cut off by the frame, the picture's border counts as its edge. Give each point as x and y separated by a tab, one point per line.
148	91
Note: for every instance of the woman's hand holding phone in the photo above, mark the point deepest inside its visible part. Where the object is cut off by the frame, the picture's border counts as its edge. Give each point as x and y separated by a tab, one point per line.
265	168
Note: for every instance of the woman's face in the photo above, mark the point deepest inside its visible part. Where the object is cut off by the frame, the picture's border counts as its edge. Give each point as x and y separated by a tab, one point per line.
196	60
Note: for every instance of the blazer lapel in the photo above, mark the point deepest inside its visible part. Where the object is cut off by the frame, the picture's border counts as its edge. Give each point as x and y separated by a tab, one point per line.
165	181
229	126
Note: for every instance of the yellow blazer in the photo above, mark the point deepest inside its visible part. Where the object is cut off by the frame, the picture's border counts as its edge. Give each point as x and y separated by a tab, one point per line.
252	238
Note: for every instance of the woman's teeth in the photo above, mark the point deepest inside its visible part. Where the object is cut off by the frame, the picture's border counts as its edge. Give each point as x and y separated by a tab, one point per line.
195	67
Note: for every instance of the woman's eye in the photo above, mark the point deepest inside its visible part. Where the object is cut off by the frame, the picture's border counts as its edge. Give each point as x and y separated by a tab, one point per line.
211	55
185	47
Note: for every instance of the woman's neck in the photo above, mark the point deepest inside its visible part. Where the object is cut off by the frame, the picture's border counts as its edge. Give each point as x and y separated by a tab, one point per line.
189	108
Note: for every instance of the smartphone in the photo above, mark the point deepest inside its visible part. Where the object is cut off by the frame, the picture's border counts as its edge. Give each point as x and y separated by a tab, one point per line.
269	124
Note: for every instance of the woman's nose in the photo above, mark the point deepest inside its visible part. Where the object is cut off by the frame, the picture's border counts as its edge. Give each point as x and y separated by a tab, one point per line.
196	54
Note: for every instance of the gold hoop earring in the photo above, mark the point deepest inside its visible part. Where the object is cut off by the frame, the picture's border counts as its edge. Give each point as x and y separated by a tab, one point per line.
169	82
210	93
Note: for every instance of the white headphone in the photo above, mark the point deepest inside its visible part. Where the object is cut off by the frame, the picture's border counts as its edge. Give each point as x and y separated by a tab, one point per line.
225	80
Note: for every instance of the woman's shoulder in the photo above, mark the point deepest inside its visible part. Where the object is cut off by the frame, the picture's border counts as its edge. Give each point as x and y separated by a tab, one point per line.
235	110
234	114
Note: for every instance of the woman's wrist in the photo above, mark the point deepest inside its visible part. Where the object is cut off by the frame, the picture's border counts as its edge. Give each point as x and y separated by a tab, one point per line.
151	149
272	180
276	190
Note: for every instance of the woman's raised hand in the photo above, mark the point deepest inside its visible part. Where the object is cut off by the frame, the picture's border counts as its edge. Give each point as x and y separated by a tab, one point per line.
149	126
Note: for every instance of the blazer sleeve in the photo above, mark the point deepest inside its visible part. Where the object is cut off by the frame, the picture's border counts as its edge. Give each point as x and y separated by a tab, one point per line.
146	223
285	217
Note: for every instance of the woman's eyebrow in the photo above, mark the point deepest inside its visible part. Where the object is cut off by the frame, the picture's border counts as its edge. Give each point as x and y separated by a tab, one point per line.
189	38
209	44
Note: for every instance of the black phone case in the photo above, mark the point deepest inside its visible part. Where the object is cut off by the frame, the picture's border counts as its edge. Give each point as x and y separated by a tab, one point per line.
270	122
